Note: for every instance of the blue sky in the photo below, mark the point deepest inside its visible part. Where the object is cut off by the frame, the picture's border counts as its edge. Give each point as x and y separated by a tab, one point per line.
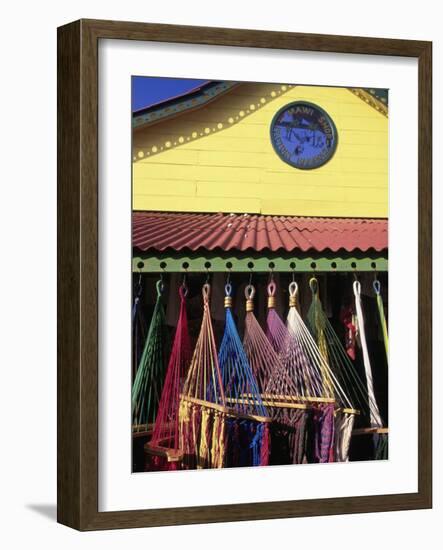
147	90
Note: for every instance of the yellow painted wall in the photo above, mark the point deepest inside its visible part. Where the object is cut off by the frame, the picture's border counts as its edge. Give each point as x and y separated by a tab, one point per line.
219	158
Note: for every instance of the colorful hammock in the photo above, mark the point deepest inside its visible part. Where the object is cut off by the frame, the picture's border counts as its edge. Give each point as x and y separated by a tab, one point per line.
138	327
381	314
163	451
202	409
380	434
289	416
148	381
260	353
313	382
248	438
362	403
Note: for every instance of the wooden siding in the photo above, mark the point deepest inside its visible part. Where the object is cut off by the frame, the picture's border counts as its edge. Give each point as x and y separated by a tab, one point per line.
219	158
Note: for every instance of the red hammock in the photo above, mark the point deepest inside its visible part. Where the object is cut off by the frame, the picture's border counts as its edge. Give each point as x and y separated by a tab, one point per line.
162	451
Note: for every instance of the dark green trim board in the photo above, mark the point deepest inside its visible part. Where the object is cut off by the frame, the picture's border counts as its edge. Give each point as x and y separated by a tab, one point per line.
78	245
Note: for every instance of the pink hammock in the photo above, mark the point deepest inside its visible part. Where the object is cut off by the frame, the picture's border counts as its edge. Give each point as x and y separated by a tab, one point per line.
163	450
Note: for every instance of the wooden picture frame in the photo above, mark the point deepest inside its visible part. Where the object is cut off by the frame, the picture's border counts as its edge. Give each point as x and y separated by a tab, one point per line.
78	274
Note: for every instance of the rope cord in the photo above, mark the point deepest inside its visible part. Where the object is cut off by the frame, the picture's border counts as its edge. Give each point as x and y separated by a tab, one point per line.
318	369
148	381
381	314
374	411
166	428
339	361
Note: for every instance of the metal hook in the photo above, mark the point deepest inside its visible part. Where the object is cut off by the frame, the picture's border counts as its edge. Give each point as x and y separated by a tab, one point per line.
250	278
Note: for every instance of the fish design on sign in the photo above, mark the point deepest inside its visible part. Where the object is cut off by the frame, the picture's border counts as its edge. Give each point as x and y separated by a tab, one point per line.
303	135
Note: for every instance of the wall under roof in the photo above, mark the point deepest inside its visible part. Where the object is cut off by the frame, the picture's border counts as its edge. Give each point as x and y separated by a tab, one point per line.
219	158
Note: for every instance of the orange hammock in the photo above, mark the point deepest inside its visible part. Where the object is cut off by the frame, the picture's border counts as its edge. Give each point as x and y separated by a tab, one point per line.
202	408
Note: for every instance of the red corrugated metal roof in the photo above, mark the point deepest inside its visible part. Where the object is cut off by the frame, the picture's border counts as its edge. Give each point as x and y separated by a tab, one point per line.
179	231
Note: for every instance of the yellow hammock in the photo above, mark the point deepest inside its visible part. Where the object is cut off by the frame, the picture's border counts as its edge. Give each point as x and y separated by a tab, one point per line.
202	408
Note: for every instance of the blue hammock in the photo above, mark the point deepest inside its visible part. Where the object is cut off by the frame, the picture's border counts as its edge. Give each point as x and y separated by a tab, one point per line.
248	427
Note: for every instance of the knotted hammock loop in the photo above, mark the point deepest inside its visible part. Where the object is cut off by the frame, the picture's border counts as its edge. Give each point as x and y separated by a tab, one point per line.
377	286
228	297
249	294
356	285
272	287
313	285
293	291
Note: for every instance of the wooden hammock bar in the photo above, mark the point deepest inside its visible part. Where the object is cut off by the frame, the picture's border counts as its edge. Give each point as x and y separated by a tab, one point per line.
278	404
227	410
172	455
292	398
349	411
373	430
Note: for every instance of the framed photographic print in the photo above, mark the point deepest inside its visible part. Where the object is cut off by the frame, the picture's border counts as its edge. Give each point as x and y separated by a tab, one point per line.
228	308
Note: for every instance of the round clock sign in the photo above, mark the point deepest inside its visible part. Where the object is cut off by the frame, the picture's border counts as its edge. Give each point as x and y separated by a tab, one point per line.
303	135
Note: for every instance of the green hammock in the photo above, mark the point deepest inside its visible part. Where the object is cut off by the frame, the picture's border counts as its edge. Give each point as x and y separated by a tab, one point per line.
381	314
148	382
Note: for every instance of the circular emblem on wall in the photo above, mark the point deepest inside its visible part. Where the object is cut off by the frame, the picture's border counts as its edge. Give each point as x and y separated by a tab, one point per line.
303	135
